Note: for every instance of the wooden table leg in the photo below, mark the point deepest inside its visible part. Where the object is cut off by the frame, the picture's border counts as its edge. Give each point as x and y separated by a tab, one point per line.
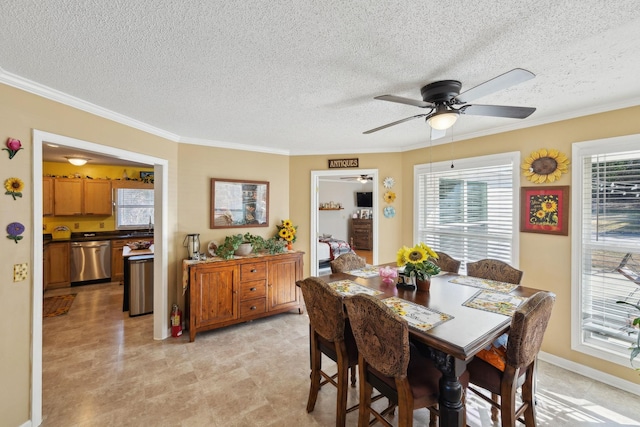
450	404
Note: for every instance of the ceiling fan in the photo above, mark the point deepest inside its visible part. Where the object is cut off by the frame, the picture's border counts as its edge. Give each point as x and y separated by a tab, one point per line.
446	103
362	178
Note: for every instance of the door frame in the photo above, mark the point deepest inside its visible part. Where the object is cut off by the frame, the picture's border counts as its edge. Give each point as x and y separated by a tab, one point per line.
315	204
161	328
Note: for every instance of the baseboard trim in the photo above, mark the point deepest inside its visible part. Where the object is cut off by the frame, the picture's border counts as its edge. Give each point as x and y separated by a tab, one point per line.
588	372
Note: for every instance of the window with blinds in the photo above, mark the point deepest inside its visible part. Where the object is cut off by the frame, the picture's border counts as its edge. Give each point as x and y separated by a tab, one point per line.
469	210
134	208
606	181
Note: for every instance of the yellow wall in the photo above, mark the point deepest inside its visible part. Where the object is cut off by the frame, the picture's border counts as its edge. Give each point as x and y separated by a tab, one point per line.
544	258
81	223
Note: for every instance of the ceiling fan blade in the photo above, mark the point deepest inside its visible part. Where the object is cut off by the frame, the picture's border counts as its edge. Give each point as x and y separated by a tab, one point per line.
497	111
401	100
394	123
437	133
503	81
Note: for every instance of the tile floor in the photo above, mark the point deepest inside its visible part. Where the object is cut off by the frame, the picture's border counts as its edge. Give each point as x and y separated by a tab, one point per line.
102	368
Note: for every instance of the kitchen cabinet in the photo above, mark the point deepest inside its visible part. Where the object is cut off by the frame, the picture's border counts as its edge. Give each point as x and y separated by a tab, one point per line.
223	293
362	234
47	196
117	260
57	265
75	196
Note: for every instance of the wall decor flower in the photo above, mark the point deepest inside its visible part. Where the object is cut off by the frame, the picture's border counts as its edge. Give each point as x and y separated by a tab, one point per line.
14	231
389	196
287	231
13	146
545	165
14	187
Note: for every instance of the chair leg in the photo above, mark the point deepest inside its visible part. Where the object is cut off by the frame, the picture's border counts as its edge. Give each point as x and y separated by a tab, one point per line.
364	410
316	366
494	410
342	381
528	397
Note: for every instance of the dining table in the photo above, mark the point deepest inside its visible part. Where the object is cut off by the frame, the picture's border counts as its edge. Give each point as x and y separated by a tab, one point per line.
454	320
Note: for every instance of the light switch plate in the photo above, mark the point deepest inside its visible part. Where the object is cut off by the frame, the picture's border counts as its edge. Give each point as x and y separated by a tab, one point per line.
20	272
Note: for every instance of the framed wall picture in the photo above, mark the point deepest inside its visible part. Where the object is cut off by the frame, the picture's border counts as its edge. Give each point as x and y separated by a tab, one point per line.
146	177
239	203
545	210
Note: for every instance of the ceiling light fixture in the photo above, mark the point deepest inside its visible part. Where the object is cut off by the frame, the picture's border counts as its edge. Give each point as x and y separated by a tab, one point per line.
77	161
443	118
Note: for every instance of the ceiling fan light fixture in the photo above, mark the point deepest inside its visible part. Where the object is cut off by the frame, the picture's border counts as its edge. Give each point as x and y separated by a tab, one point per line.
443	119
78	161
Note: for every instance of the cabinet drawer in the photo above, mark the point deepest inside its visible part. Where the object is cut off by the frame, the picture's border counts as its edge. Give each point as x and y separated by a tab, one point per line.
253	307
253	289
253	271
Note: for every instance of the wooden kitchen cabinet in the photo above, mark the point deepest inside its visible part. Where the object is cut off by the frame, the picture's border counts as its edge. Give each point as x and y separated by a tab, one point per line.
47	196
117	260
75	196
222	293
67	196
57	264
97	197
362	234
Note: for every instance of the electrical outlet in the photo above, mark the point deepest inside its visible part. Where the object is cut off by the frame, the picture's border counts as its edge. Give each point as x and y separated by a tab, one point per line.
102	225
20	272
76	225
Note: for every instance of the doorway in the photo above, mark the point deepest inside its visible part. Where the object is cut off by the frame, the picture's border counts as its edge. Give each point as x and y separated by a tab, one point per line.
315	231
160	292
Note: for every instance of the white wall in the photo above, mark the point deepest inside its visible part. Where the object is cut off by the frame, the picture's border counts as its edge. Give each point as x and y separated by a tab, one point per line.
343	192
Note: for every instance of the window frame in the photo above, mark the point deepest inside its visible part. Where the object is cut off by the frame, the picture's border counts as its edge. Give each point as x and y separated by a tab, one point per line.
512	158
117	208
580	150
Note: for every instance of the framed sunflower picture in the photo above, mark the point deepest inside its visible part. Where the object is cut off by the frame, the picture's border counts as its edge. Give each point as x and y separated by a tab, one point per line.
545	210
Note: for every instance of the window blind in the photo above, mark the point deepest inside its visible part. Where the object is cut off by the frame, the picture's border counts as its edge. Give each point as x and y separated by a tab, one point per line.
134	207
468	211
609	200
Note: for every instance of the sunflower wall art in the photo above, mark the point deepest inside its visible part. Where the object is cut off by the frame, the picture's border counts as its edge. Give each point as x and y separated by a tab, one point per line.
545	165
545	210
13	187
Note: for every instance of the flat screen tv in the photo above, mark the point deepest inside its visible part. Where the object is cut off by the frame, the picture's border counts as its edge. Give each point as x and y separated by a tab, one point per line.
364	200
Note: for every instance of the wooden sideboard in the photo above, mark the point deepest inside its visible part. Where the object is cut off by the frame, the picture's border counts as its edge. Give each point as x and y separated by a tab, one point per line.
362	234
223	293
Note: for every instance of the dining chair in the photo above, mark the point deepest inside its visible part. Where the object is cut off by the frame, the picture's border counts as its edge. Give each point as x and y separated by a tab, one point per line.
517	368
346	262
492	269
388	362
446	263
330	334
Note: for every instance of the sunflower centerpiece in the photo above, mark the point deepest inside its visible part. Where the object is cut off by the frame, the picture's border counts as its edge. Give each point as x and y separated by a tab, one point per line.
417	264
287	232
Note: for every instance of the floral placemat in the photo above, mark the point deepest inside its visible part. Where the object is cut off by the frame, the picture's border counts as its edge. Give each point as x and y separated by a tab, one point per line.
366	272
418	316
347	287
477	282
495	302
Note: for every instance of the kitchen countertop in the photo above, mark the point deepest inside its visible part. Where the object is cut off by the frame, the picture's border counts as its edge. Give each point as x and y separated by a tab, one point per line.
88	236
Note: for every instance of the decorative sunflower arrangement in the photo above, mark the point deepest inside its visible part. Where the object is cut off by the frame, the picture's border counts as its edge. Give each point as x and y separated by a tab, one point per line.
14	187
544	210
545	165
287	231
416	261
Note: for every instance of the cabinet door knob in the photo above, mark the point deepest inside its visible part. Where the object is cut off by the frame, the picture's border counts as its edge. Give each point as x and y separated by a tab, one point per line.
253	289
253	307
254	270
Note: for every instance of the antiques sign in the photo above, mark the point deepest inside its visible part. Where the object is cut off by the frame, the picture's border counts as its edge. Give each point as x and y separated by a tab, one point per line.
343	163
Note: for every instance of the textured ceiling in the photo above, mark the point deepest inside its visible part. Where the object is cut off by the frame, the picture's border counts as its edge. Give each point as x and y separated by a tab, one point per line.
299	76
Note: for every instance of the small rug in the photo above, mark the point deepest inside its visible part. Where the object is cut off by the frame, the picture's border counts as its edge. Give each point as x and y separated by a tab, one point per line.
57	306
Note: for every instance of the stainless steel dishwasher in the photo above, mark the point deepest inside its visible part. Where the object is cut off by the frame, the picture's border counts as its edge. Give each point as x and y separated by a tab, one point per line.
90	261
